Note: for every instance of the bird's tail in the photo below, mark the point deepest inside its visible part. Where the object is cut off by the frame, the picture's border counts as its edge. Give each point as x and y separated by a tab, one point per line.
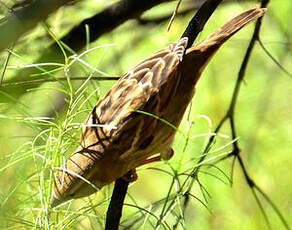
228	29
198	56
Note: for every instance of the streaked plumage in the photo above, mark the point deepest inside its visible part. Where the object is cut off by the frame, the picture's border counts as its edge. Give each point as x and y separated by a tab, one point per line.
116	137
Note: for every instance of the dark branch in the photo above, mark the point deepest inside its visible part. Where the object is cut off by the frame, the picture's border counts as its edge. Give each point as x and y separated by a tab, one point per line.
190	7
100	24
114	211
201	17
198	22
230	116
107	20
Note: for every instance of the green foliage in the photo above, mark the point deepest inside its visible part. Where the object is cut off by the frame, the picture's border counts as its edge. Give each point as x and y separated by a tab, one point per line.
40	129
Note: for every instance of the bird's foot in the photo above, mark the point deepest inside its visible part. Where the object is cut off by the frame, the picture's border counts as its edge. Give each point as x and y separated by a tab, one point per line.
131	178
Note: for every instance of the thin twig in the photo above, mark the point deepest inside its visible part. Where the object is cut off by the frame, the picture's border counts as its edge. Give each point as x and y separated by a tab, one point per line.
230	116
273	59
173	15
5	64
38	81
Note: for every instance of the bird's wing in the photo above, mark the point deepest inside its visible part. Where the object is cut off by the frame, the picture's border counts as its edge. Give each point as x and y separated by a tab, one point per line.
132	92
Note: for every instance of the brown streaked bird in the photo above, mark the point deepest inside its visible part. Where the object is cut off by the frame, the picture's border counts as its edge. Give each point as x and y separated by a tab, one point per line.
116	137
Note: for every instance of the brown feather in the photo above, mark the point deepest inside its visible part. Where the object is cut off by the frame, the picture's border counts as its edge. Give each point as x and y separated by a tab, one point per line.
116	138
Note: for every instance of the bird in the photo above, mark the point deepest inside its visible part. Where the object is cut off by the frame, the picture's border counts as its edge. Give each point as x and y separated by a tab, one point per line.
130	125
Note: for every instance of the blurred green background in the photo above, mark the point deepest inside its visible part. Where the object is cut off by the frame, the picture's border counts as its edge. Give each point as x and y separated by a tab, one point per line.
38	130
